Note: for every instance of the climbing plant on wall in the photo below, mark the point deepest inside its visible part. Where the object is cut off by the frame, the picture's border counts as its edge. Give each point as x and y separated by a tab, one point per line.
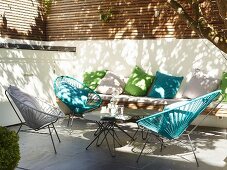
47	5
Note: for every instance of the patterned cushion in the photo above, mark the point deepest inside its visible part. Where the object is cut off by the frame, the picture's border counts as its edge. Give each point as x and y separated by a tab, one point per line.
111	83
139	82
223	85
165	86
92	79
74	98
200	84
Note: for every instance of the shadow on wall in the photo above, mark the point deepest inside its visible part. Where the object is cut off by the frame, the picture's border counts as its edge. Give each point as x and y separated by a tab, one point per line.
22	24
83	20
32	70
37	69
173	56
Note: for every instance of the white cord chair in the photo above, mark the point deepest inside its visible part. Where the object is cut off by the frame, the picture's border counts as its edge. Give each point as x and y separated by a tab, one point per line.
37	114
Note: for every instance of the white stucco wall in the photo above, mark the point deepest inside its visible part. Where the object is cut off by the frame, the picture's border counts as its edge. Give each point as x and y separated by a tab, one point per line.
35	70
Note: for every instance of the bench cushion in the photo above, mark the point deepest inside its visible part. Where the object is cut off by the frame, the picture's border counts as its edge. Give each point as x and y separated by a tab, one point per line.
92	79
139	82
145	100
165	86
200	84
111	83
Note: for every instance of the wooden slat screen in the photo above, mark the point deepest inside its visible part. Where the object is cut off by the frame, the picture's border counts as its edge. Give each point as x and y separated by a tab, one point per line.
80	20
131	19
22	19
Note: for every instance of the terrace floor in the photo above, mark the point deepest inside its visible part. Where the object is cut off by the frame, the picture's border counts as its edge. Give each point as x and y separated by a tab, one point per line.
37	151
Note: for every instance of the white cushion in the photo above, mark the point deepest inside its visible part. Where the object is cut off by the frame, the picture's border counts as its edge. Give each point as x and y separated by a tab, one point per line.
200	84
111	83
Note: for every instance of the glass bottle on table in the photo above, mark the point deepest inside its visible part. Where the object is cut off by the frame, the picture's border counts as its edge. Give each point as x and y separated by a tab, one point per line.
113	103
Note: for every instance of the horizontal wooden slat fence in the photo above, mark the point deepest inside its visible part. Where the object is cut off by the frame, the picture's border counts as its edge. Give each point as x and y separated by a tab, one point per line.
22	19
80	20
131	19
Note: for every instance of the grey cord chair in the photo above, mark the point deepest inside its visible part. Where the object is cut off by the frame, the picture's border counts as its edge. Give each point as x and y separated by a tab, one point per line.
37	114
171	123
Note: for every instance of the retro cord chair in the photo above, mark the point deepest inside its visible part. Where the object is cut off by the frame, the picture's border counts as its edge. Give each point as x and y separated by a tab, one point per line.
76	96
37	114
173	121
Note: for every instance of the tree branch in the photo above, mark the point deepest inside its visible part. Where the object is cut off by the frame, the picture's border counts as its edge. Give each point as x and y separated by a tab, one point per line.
201	26
222	6
196	9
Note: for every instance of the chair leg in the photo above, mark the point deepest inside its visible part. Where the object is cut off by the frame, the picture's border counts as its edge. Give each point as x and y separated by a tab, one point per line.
68	120
193	150
71	124
52	139
161	141
136	132
19	128
143	134
142	149
56	133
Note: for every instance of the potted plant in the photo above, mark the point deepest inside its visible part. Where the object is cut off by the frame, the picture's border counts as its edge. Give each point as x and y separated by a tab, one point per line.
9	149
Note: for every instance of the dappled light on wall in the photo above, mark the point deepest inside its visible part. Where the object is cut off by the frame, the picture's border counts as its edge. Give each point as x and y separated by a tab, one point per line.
80	20
22	20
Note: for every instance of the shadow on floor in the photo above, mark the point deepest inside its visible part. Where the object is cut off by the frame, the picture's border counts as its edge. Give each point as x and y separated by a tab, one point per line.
37	151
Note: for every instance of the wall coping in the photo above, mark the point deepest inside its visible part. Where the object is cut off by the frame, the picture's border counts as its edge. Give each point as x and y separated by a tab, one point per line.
34	45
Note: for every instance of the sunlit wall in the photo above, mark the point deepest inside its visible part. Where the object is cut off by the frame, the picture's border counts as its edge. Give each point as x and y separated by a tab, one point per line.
35	70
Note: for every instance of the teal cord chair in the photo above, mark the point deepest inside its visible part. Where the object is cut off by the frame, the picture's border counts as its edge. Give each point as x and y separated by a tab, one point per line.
76	96
173	121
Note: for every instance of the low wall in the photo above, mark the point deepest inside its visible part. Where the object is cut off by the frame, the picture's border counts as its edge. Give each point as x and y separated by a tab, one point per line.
35	70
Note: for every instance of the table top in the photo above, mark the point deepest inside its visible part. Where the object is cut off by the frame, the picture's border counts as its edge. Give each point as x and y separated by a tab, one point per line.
97	115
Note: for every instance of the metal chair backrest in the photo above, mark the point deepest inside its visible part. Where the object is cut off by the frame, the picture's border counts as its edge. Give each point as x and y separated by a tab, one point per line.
76	95
35	113
173	121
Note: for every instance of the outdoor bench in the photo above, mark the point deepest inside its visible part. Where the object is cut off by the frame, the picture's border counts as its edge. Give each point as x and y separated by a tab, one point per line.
151	105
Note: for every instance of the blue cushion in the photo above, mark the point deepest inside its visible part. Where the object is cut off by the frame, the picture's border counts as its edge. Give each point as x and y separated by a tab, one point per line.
74	98
165	86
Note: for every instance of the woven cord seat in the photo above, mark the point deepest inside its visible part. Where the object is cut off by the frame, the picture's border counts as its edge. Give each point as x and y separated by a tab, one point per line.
37	113
176	118
76	96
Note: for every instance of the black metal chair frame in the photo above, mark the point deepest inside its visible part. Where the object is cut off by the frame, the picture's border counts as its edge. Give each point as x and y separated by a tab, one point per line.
93	97
49	125
161	139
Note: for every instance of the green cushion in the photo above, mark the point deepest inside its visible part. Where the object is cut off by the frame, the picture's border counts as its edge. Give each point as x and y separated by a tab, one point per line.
138	83
92	79
165	86
223	85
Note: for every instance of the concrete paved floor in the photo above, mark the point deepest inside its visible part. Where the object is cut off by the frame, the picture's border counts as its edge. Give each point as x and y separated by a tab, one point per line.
37	151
